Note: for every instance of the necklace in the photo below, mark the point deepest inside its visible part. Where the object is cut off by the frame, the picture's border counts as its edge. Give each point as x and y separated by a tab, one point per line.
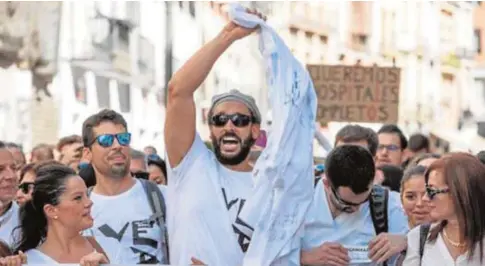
453	243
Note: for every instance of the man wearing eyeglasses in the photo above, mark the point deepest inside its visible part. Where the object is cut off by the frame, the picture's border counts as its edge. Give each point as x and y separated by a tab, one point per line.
124	220
392	144
339	229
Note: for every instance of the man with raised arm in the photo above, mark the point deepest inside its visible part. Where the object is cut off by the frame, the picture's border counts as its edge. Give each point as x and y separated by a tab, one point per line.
208	191
216	204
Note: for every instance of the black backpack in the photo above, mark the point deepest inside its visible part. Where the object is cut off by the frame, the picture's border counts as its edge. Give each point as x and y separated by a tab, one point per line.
378	208
157	204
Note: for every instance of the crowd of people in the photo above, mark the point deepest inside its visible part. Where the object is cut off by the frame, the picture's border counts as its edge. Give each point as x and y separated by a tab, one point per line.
379	198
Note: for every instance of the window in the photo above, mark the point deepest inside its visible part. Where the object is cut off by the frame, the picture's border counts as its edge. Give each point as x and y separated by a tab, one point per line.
124	97
477	42
359	42
79	83
192	8
102	89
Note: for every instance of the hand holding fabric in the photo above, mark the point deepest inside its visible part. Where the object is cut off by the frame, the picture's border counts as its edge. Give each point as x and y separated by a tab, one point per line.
236	32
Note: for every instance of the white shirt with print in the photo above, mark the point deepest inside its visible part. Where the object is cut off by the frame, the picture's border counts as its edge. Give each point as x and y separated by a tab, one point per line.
354	230
122	229
205	199
8	222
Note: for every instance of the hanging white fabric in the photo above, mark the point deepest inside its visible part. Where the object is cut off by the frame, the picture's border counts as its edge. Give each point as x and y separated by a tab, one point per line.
283	175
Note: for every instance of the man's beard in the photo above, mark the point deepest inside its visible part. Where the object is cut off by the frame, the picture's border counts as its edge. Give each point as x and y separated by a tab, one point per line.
119	171
245	148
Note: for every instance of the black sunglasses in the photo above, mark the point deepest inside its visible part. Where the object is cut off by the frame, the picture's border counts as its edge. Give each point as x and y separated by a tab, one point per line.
141	175
26	187
238	120
344	205
432	192
107	140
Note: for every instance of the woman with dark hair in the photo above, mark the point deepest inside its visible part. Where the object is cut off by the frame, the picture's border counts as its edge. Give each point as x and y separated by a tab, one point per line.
157	169
413	189
455	189
52	221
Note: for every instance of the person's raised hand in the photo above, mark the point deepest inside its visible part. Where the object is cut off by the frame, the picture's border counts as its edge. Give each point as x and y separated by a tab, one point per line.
236	32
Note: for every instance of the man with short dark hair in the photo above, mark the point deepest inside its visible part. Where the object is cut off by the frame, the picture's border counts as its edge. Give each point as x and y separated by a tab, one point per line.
70	151
125	223
340	223
357	135
42	152
139	163
418	144
392	144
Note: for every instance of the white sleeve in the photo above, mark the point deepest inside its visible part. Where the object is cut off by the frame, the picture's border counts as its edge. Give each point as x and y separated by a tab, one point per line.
196	155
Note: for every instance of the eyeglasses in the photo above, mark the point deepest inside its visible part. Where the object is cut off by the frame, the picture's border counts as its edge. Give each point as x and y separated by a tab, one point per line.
26	187
106	140
344	205
432	192
391	147
238	120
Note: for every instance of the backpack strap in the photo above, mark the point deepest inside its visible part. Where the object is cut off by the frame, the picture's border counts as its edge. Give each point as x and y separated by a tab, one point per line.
157	204
378	209
423	236
316	181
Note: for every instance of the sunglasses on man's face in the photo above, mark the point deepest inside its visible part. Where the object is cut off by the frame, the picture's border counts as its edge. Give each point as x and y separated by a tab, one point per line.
238	120
344	205
432	192
107	140
26	187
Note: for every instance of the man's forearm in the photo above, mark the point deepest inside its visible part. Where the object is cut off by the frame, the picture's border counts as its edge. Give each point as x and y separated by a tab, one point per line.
191	75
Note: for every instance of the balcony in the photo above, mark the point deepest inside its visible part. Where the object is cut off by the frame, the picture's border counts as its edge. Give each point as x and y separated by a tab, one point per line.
465	53
359	42
30	45
111	42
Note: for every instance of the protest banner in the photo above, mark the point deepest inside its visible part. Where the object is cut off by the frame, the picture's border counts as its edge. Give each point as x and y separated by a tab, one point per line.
356	93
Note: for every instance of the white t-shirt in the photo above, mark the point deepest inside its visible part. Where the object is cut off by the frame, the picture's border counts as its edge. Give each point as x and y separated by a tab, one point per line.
8	222
35	256
122	229
205	199
352	230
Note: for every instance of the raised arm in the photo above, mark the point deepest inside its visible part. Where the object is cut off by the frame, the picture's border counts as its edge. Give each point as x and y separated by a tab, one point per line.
180	118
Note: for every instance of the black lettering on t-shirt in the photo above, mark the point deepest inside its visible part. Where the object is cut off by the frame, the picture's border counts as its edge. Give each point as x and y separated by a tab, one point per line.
145	258
140	229
109	232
